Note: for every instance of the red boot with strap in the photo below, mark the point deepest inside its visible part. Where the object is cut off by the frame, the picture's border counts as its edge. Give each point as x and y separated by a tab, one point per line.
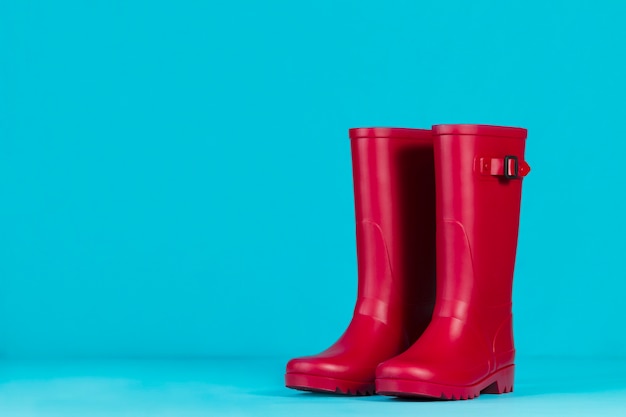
468	347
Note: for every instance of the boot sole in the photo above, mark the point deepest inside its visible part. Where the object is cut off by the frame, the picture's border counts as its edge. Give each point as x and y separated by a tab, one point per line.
313	383
500	382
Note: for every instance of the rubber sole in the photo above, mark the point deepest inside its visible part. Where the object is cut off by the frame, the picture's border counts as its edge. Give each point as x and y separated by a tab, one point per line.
313	383
500	382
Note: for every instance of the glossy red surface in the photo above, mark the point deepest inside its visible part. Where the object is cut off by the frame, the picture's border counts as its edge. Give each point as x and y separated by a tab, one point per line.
394	190
468	347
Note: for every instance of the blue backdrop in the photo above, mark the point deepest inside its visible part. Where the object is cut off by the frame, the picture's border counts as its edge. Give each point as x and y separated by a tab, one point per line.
175	176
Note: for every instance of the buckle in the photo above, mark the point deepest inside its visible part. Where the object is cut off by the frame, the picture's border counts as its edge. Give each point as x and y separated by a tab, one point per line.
505	168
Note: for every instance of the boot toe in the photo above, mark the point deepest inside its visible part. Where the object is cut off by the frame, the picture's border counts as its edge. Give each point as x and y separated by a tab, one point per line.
398	369
311	365
445	371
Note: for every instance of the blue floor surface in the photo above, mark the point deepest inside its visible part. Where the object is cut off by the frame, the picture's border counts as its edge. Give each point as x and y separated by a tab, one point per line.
253	387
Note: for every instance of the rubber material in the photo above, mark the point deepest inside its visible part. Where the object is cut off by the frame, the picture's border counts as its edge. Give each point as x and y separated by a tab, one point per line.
394	190
481	130
390	132
468	347
314	383
500	382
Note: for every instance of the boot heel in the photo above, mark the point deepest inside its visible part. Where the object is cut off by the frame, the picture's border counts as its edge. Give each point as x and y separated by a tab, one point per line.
502	382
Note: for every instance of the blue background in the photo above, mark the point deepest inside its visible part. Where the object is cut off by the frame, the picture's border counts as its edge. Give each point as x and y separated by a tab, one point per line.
175	177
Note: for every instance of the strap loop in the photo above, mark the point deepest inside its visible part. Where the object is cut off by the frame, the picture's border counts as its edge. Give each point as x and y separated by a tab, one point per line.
509	167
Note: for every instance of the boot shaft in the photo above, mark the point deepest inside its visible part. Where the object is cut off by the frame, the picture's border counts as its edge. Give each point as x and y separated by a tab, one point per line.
394	191
479	171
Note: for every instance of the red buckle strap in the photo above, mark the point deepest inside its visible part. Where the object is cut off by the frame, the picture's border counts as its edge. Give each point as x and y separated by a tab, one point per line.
509	167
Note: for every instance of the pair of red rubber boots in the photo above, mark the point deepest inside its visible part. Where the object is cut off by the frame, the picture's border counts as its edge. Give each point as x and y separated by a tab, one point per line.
437	215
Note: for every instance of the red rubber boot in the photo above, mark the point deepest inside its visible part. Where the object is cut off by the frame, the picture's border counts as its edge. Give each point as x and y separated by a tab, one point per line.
394	190
468	347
